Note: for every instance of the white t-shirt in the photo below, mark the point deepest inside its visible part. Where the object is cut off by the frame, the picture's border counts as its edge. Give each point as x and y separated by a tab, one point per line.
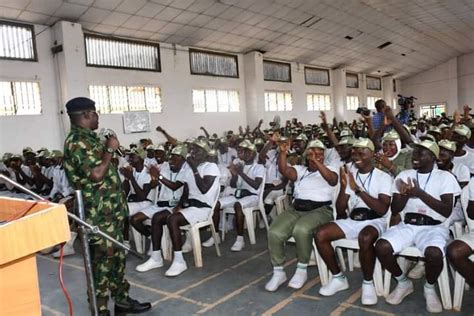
143	177
331	157
204	169
148	162
467	159
60	183
227	157
312	186
471	190
436	183
273	175
166	194
461	172
253	171
374	183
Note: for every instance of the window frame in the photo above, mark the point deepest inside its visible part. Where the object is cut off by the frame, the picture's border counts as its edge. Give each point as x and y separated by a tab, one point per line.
278	91
372	77
119	39
353	96
195	50
317	84
352	74
217	100
312	94
431	107
33	38
15	97
290	79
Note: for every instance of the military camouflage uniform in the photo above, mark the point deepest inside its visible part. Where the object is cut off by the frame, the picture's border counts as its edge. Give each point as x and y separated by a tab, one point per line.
105	206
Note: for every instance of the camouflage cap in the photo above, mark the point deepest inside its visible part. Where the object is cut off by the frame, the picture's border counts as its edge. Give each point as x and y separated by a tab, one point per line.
28	150
248	145
463	130
150	147
159	148
430	145
447	144
180	150
390	135
140	152
44	153
6	156
364	143
259	141
428	136
434	129
213	153
442	125
302	137
202	144
56	154
346	141
346	132
316	143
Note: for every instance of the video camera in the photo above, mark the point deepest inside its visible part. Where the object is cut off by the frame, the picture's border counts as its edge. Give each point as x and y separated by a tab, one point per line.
406	102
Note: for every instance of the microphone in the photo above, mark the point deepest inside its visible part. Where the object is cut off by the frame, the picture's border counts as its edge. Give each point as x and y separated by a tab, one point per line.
107	133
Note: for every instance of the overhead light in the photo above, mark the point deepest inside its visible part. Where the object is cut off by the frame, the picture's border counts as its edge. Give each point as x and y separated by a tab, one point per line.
349	37
384	45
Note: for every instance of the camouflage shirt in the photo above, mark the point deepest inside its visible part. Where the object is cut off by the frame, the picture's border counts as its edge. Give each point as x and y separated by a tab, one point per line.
104	201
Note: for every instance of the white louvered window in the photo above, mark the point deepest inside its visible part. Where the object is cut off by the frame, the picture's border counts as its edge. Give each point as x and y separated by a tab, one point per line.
278	101
371	102
213	64
374	83
316	76
19	98
119	99
352	80
213	100
352	102
276	71
17	41
109	52
318	102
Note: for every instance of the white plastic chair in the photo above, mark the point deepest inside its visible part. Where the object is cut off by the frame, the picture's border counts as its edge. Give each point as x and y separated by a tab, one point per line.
196	237
138	238
459	282
248	213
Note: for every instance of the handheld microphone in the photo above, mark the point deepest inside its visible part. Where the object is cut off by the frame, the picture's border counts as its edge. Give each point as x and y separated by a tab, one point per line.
108	133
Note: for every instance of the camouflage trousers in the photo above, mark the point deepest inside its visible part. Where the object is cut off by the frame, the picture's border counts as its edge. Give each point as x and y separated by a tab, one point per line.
108	268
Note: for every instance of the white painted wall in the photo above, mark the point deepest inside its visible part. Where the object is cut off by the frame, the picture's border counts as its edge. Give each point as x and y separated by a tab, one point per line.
451	82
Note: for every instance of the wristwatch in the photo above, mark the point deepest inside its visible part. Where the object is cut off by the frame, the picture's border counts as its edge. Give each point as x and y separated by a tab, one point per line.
160	177
110	150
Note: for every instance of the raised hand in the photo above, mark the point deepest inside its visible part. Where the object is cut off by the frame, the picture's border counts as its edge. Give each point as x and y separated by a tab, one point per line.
112	142
343	177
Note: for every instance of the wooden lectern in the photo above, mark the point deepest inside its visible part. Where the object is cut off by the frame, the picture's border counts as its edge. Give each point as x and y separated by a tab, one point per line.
45	225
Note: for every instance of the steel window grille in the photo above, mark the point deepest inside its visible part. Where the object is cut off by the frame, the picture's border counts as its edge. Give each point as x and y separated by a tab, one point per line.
213	100
316	76
119	99
278	101
213	64
276	71
120	53
371	102
318	102
352	102
19	98
374	83
352	80
17	41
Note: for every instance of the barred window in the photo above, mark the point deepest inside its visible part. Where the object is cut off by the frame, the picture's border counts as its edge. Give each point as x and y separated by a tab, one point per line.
371	102
318	102
352	102
374	83
213	64
352	80
316	76
19	98
110	52
17	41
213	100
278	101
119	99
276	71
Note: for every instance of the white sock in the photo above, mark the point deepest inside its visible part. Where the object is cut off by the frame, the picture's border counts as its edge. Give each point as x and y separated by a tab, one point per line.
340	275
301	266
278	269
178	256
402	278
240	238
429	286
156	255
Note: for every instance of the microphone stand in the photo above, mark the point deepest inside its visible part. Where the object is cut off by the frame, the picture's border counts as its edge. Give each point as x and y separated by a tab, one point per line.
85	229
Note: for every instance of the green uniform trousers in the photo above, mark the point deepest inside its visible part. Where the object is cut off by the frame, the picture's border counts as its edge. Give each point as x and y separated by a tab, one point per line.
300	225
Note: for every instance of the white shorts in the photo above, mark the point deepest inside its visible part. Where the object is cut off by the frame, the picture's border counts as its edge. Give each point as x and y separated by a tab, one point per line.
404	235
468	239
196	214
457	214
153	209
352	228
230	200
272	196
135	207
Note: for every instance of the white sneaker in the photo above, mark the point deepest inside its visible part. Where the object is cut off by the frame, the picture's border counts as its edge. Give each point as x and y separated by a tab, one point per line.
278	278
369	296
149	265
334	286
418	271
238	245
433	304
187	246
402	290
299	279
176	268
210	242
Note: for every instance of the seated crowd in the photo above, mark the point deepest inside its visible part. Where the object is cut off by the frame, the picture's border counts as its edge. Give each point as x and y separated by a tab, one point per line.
386	184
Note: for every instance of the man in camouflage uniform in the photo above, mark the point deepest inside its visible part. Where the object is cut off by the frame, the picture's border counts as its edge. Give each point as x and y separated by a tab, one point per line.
88	168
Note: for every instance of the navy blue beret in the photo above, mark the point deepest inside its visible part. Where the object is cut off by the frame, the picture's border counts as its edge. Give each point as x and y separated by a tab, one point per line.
80	104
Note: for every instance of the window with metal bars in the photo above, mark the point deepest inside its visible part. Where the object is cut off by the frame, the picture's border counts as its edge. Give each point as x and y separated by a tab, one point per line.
17	41
352	80
374	83
119	99
316	76
19	98
102	51
212	100
278	101
371	102
276	71
213	64
352	102
318	102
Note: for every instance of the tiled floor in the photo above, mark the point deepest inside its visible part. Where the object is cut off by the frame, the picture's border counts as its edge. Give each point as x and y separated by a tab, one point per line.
230	285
